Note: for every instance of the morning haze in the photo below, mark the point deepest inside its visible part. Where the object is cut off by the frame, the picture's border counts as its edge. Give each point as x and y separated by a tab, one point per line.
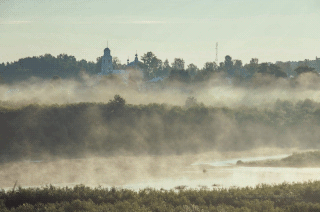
269	30
167	95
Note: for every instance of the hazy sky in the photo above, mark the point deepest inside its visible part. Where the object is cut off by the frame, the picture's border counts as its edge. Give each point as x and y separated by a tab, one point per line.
270	30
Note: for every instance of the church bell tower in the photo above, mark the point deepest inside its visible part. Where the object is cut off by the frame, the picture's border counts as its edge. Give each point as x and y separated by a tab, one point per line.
106	65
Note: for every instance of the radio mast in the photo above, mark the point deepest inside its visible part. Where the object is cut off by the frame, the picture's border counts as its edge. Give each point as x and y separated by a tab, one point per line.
217	54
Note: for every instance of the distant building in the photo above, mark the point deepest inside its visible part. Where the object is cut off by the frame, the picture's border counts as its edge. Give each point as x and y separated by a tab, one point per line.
107	67
156	79
134	64
295	64
131	75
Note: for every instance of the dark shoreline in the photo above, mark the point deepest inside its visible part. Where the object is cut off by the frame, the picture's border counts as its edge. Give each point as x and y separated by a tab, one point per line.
296	160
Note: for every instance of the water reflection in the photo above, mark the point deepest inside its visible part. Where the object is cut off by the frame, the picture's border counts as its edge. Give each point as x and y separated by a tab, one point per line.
230	177
157	174
224	174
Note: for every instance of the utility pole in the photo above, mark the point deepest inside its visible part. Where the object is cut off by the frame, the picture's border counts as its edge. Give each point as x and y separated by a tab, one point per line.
217	62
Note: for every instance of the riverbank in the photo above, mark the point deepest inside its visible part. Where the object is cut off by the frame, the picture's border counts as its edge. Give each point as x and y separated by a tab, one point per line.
282	197
301	159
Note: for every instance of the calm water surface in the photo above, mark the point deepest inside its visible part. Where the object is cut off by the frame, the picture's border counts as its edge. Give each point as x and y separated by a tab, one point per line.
224	175
206	174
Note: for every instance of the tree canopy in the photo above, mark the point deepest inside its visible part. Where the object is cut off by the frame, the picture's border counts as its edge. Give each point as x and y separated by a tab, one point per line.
305	69
67	66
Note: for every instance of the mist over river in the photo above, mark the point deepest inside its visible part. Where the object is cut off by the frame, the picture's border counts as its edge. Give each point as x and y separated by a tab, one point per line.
154	172
224	174
225	177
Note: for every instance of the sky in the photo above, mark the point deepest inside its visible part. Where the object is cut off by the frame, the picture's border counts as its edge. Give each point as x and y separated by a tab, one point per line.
270	30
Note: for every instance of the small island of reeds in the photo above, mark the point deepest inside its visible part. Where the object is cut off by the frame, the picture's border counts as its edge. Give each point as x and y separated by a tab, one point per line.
302	159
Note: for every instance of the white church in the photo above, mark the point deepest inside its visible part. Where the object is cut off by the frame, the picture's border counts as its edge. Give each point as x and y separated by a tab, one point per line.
107	67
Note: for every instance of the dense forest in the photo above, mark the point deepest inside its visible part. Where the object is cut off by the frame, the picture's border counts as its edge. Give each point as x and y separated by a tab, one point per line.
72	130
282	197
45	67
67	66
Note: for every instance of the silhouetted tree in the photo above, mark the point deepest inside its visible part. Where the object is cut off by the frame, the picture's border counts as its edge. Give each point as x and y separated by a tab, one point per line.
210	67
116	63
192	69
179	75
117	104
178	64
118	100
286	67
271	69
263	68
252	67
239	70
166	68
228	65
305	69
276	71
191	101
151	65
98	66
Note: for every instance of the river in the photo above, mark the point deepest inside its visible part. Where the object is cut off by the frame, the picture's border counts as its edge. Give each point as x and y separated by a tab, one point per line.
132	173
224	174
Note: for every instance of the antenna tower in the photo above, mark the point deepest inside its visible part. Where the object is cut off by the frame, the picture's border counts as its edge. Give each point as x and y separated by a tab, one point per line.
217	54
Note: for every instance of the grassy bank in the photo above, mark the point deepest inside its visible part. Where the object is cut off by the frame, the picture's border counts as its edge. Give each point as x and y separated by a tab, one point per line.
282	197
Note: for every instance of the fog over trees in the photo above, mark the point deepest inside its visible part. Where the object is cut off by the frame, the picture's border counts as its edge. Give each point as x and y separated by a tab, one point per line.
105	129
59	113
85	125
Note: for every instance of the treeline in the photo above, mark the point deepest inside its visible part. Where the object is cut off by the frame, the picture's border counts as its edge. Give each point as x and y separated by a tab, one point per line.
66	66
282	197
73	130
46	67
153	67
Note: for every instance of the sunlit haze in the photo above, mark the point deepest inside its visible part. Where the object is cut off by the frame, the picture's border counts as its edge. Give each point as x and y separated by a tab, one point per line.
286	30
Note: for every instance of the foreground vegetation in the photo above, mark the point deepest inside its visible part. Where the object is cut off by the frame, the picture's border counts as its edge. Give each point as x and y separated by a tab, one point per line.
282	197
303	159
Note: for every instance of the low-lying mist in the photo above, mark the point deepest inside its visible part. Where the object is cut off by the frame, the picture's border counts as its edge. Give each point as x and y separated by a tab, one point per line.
106	116
137	129
219	91
120	170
